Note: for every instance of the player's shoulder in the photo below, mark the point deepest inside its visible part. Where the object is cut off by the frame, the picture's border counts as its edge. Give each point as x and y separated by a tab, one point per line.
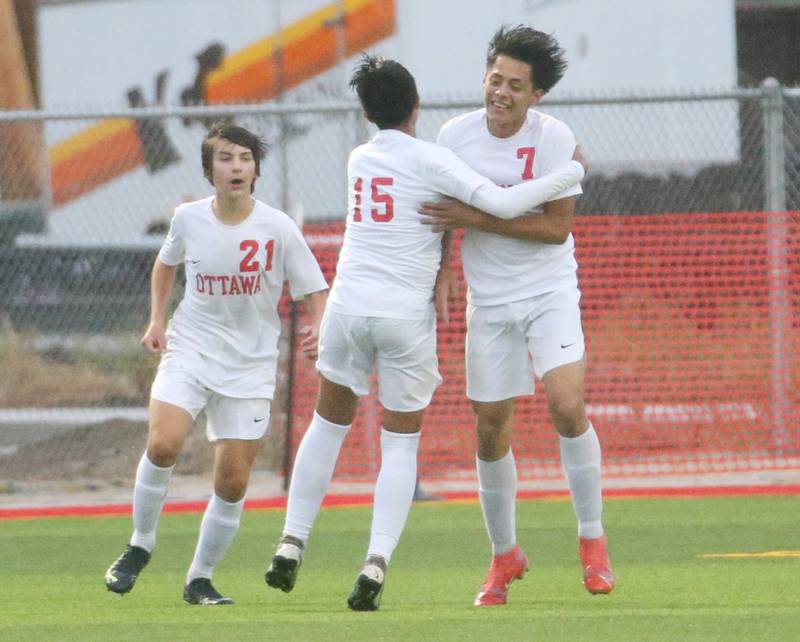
468	120
190	208
434	156
549	125
193	213
273	217
266	212
361	150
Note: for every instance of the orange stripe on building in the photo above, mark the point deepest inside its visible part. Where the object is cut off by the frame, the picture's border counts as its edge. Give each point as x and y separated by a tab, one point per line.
310	46
92	158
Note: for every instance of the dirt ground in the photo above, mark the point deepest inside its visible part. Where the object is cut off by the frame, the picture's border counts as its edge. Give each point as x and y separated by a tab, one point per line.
97	463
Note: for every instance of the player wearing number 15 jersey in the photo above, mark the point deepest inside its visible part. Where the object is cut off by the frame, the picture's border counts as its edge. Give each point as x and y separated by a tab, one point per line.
380	315
220	350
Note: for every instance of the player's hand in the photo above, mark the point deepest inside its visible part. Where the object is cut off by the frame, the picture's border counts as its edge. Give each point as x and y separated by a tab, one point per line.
155	338
579	156
309	343
448	214
444	292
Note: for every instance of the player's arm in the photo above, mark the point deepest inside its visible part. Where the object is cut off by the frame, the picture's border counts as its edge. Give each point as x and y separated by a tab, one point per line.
506	203
450	176
161	282
314	304
446	287
552	226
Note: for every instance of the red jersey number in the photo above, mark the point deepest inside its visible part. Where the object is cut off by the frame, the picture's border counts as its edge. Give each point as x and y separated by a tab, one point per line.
527	153
383	212
249	263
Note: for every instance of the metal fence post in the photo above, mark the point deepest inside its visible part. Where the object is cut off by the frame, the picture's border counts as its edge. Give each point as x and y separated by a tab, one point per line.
779	304
293	321
283	137
774	155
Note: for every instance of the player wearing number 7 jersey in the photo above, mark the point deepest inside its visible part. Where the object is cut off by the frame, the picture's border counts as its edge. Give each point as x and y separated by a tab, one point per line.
219	351
523	317
380	315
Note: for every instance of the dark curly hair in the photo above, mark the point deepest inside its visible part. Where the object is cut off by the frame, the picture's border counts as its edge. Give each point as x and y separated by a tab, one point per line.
536	48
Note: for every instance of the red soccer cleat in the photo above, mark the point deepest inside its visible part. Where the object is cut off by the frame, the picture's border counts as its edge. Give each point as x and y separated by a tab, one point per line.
597	575
505	569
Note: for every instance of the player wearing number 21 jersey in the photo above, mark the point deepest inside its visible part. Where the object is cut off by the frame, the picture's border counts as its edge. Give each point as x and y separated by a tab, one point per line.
219	351
226	328
380	315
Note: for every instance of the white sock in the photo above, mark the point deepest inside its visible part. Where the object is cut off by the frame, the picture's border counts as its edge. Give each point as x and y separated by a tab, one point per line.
217	530
581	459
497	486
394	491
311	476
149	493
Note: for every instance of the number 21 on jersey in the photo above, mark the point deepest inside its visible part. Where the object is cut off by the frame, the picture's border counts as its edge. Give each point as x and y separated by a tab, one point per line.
383	203
249	263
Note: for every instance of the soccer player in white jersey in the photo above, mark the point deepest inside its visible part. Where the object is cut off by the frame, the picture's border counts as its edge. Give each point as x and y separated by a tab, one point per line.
220	349
523	300
380	315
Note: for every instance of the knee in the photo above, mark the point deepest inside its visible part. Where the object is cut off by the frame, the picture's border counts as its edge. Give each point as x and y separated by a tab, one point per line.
568	415
488	431
493	425
163	452
232	488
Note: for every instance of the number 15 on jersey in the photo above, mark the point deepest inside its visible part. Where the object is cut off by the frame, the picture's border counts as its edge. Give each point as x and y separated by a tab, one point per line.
382	210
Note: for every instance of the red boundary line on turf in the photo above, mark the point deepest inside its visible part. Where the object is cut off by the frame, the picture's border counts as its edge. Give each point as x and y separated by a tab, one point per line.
365	498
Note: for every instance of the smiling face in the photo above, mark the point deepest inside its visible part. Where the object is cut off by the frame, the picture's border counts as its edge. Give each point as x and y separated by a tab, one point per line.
508	92
233	169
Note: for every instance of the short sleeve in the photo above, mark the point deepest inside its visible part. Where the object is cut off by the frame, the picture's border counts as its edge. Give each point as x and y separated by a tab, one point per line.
173	250
556	149
301	268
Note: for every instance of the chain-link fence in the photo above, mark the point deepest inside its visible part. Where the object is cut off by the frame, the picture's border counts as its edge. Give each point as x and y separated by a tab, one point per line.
85	200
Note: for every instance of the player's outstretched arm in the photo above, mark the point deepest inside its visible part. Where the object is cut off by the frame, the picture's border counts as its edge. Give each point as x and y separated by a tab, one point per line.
514	201
552	226
161	283
315	308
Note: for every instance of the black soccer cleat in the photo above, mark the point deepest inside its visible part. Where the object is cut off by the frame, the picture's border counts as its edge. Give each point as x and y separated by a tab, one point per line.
282	571
122	574
366	594
200	591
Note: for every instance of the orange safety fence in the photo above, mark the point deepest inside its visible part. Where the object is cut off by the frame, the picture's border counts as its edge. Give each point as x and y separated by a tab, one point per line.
691	324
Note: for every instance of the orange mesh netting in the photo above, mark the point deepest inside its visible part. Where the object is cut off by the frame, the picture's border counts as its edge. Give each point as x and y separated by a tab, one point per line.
691	324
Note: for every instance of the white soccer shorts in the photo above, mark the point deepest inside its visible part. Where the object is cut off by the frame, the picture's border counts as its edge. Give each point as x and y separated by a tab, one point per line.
402	351
226	417
510	343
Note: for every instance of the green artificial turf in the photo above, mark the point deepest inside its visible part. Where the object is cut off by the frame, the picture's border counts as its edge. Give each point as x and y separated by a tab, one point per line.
51	577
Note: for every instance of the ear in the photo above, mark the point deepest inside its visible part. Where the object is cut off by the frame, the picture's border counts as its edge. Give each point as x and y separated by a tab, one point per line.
537	95
366	115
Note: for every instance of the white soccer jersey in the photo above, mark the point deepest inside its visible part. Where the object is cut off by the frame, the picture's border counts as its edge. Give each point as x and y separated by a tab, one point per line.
499	269
226	327
389	260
